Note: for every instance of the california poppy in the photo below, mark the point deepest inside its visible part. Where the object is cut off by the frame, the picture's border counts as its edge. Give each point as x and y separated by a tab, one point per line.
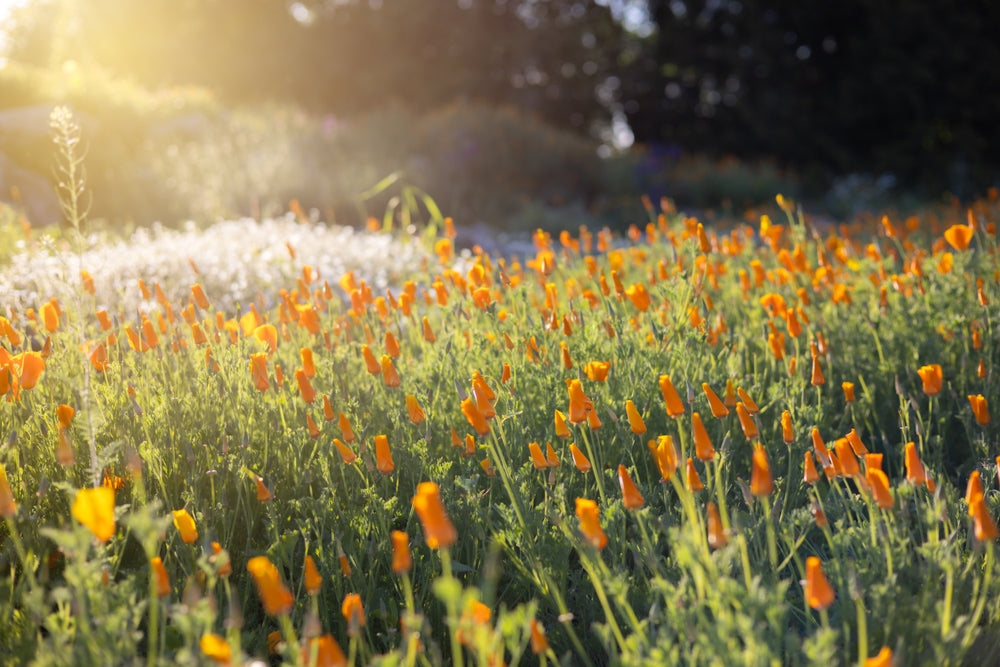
597	371
438	528
716	535
665	455
787	432
746	422
675	408
856	445
390	377
631	496
402	561
973	488
718	408
562	429
818	592
634	418
984	527
275	597
537	457
345	428
539	644
413	409
383	455
346	453
959	236
980	409
931	376
306	389
914	467
263	493
267	334
184	523
258	371
354	613
160	576
809	473
879	483
580	460
590	523
8	507
371	363
310	576
694	482
216	648
550	456
578	402
702	443
848	388
199	296
95	509
220	558
761	482
474	417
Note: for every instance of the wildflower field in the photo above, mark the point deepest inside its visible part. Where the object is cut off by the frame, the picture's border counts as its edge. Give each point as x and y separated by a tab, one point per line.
764	444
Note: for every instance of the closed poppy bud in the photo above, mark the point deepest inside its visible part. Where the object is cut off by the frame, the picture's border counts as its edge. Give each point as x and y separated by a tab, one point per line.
578	402
537	457
716	534
787	432
634	418
567	360
383	456
414	410
879	483
505	373
326	649
848	388
590	523
391	345
675	408
160	576
914	467
719	408
275	597
311	576
665	455
402	561
345	428
438	529
593	421
475	417
371	363
550	456
258	371
184	523
694	482
761	482
263	493
818	592
390	377
428	332
746	422
980	409
562	429
470	445
311	426
973	488
856	445
984	527
199	296
354	613
539	643
346	453
630	492
748	403
931	377
702	444
809	475
580	460
305	387
65	415
817	373
95	509
8	507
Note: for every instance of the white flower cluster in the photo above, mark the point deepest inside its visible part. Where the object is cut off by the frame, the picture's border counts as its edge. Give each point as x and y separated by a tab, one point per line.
237	261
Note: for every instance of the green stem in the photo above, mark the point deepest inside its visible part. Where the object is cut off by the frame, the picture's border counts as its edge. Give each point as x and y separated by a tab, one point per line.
456	647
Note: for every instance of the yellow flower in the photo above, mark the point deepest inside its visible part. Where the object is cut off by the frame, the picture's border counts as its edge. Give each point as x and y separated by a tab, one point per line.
184	523
95	509
216	648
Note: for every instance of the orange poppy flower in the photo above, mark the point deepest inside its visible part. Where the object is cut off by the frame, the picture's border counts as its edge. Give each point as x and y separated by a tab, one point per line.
354	613
980	409
973	488
984	527
97	355
809	475
694	482
371	363
427	331
883	659
258	371
488	467
914	467
345	428
327	409
267	334
665	455
402	561
879	483
184	523
579	404
597	371
635	421
567	360
631	496
819	594
160	576
856	445
550	456
932	379
327	651
390	377
639	297
65	415
275	597
562	429
716	534
391	345
702	443
26	368
761	482
959	236
305	387
8	507
748	403
263	493
199	296
580	460
539	643
346	453
308	365
719	408
438	529
675	408
311	576
383	456
216	648
537	457
474	417
590	523
746	422
95	509
220	558
787	432
848	388
817	378
413	410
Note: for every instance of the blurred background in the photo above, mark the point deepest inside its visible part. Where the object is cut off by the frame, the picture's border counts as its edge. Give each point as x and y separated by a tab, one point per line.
511	113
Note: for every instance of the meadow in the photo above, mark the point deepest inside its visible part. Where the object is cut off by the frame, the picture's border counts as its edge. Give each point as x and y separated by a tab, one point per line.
752	444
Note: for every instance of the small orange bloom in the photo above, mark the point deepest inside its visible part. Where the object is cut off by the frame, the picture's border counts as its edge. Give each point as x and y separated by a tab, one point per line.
160	576
390	377
65	414
761	482
883	659
346	453
580	460
550	456
267	334
959	236
345	428
305	387
438	528
383	456
216	648
371	363
914	467
311	576
630	492
590	523
263	493
95	509
856	445
199	296
665	455
931	376
579	404
719	408
702	443
275	597
694	482
980	409
748	402
675	408
354	613
539	643
402	561
819	594
973	488
810	474
258	371
746	422
475	417
327	650
635	421
984	527
848	388
537	457
562	429
184	523
413	409
879	483
716	535
597	371
787	432
225	567
8	507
